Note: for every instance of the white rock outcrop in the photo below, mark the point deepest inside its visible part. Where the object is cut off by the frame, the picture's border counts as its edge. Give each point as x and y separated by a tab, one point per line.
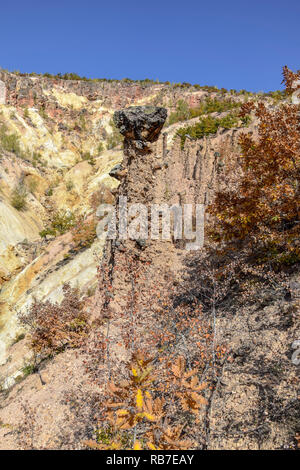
2	93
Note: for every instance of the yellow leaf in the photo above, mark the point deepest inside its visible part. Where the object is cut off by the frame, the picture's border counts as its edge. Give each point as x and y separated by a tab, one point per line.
139	399
122	412
151	446
134	372
115	446
149	416
137	446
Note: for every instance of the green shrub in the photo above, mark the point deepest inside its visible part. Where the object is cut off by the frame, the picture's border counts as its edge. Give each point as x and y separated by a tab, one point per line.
206	125
246	120
49	191
33	186
277	95
36	159
61	223
18	338
75	76
115	138
69	185
183	112
18	198
28	370
47	231
43	113
214	105
88	157
100	147
82	122
9	142
36	156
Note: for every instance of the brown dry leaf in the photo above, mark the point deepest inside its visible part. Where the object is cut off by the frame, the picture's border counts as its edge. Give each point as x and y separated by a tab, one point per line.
201	387
178	367
92	445
113	388
115	405
189	374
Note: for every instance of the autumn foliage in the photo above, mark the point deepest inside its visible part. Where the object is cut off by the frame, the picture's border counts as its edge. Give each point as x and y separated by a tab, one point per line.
139	413
263	206
55	327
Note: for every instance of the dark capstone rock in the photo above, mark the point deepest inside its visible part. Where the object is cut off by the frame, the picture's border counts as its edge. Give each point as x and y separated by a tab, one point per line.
115	169
140	123
118	172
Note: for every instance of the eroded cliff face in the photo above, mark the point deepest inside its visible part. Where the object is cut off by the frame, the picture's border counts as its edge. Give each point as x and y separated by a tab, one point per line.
157	173
62	146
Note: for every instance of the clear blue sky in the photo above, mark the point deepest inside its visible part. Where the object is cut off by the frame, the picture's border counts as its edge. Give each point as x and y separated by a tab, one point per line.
234	43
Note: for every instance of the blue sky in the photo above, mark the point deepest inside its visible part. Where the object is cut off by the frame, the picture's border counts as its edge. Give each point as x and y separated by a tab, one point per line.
233	44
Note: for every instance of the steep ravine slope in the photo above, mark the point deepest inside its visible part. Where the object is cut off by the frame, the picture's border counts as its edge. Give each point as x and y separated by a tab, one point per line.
58	143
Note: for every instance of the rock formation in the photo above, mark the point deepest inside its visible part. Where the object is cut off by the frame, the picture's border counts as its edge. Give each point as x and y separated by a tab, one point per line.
141	128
